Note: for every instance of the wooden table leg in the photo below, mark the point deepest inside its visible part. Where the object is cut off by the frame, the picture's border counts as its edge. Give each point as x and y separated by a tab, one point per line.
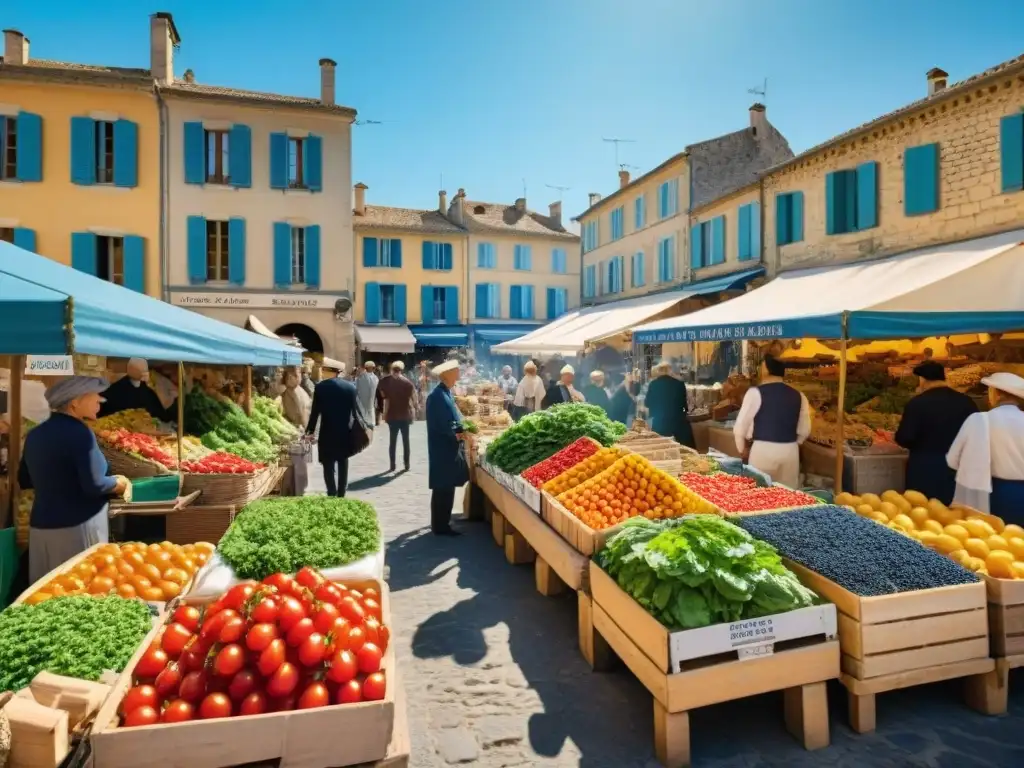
987	693
806	711
593	647
671	737
862	711
517	549
549	583
498	527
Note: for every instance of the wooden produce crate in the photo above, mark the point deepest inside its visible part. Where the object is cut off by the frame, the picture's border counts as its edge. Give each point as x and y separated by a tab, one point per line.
721	439
898	641
580	536
337	735
697	668
1006	633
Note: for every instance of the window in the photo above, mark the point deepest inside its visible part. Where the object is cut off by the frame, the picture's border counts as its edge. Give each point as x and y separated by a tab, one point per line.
748	241
590	281
299	256
437	256
440	308
613	275
700	245
522	257
1011	152
921	179
7	235
668	199
110	259
218	165
486	257
558	302
488	301
104	152
640	212
591	238
296	163
387	304
383	252
637	269
217	250
8	147
851	199
616	223
666	259
559	261
789	218
521	302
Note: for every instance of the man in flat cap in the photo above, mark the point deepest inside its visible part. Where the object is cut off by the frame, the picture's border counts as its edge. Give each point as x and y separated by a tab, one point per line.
448	460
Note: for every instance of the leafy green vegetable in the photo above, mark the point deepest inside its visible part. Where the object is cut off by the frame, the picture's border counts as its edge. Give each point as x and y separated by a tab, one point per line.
544	433
78	636
223	426
699	570
285	534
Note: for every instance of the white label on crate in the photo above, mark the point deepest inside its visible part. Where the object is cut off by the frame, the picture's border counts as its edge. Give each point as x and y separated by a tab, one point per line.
755	651
751	631
50	365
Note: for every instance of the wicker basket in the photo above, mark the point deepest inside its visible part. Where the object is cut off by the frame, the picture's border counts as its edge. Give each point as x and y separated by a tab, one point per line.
129	466
232	489
192	524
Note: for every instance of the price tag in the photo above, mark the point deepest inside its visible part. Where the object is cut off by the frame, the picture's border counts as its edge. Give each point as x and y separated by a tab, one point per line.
751	631
755	651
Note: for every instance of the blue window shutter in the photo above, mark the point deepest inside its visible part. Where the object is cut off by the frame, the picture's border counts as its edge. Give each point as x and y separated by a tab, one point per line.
451	304
867	195
783	219
833	194
796	233
743	233
552	299
481	300
372	292
515	302
427	304
313	256
279	161
196	238
236	251
83	252
1011	152
83	151
921	179
25	239
696	247
314	163
446	256
195	153
401	304
30	147
126	154
718	240
370	246
240	156
529	302
282	254
429	255
134	262
481	256
755	231
396	252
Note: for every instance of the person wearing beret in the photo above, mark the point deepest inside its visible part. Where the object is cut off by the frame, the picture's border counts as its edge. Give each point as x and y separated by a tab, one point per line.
63	464
448	466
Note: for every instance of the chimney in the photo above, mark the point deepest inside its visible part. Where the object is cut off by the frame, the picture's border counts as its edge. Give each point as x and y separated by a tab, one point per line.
520	205
757	117
937	80
457	211
163	38
15	48
327	67
360	206
555	212
623	178
189	76
442	202
594	198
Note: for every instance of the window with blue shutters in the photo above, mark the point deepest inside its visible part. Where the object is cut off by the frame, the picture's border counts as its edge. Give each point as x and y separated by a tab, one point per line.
591	236
748	240
437	256
590	281
134	275
236	251
921	179
666	259
614	275
640	212
616	223
851	199
559	261
118	260
700	245
789	218
218	156
382	252
296	162
1011	152
388	303
486	256
522	257
558	302
482	301
637	270
19	236
83	252
668	198
21	147
371	303
717	240
521	302
104	152
438	298
282	254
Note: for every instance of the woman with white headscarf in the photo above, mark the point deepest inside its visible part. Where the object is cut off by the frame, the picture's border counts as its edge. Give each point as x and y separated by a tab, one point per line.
529	392
63	464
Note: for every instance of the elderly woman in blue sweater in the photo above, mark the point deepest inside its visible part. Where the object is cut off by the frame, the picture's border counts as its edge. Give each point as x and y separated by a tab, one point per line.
63	464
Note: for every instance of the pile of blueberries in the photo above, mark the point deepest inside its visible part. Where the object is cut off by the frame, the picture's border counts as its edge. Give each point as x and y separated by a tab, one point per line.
856	553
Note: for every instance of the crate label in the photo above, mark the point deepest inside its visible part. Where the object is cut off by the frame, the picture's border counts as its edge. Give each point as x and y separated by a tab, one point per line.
751	631
755	651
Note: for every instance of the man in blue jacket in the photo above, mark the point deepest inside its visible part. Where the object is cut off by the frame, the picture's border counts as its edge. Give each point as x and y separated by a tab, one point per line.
448	461
336	410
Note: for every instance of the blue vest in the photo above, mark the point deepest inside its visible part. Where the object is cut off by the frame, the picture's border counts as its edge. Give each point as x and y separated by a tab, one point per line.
777	418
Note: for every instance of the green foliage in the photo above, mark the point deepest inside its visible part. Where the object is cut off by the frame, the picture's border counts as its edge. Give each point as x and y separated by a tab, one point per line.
78	636
285	534
223	426
700	570
544	433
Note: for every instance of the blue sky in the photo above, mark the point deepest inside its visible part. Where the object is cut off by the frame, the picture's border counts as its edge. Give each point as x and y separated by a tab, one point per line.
492	92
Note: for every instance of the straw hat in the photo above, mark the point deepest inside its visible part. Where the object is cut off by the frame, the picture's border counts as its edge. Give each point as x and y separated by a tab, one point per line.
447	365
1010	383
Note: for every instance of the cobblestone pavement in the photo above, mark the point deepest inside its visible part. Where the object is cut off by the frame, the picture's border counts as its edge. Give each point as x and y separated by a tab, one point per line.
493	676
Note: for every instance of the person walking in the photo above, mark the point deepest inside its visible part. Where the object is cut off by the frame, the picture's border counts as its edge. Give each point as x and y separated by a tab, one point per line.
399	408
530	392
335	410
448	465
366	390
666	404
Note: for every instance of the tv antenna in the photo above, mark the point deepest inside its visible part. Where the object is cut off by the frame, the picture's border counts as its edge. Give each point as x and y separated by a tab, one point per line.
369	122
616	142
762	91
561	190
628	167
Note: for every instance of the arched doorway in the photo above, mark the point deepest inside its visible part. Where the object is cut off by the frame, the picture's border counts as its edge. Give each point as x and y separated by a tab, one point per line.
308	338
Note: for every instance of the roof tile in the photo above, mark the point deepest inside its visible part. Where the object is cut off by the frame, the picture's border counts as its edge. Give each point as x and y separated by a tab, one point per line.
407	219
499	217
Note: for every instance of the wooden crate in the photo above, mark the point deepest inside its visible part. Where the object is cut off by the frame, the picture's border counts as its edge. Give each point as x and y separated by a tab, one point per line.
580	536
618	624
898	641
1006	633
359	733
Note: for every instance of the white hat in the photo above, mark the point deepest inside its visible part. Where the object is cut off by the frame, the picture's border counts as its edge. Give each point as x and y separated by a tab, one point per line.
568	369
398	365
1010	383
369	364
447	365
530	366
594	375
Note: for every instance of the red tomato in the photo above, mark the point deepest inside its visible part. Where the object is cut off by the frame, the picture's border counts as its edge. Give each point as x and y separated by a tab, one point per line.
215	705
372	608
271	657
312	650
232	631
299	631
368	657
194	657
264	611
315	695
235	597
356	594
325	617
283	680
139	696
174	640
253	704
212	625
167	681
343	667
383	636
372	629
374	687
187	616
213	609
229	660
289	613
242	684
337	638
352	610
282	582
259	636
178	711
328	593
144	715
350	692
309	577
151	664
356	637
193	686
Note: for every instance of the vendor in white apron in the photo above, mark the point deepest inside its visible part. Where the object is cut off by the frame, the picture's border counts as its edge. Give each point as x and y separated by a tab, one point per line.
773	421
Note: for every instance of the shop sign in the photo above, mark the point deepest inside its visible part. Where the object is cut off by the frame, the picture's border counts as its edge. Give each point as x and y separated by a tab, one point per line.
718	333
218	300
50	365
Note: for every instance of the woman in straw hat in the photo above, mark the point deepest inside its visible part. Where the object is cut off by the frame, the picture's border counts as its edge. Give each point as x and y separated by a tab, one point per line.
988	452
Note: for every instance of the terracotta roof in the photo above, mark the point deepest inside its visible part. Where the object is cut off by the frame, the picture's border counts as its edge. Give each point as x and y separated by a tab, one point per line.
950	91
499	217
199	90
638	180
407	219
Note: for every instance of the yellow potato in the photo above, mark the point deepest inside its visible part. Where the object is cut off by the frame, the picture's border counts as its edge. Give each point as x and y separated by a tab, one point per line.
944	516
903	521
958	531
979	529
1018	570
932	525
928	538
977	548
865	510
918	514
878	517
995	523
998	543
1013	531
916	498
945	543
872	499
1017	549
960	556
888	509
845	499
1000	564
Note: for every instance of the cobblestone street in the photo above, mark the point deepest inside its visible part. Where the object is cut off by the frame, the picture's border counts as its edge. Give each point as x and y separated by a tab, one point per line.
493	676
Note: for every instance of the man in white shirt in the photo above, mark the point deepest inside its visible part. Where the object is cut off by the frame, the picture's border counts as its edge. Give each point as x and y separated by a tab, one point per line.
773	421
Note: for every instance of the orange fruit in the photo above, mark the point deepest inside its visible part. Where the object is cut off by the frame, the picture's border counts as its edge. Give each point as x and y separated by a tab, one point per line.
126	590
101	585
151	572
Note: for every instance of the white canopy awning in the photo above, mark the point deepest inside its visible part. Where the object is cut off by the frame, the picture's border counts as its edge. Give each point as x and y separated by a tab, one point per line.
967	287
386	338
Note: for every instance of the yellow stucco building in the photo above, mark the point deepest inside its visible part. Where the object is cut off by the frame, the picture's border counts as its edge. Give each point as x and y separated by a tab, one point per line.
80	170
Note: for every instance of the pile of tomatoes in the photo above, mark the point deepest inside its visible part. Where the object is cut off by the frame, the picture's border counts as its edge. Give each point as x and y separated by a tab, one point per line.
283	644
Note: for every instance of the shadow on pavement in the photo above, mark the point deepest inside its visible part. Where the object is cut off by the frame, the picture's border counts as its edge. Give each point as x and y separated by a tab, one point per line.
370	482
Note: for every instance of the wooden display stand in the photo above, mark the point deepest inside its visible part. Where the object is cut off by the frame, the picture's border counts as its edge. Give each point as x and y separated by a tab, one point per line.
1006	632
621	625
721	439
578	534
891	642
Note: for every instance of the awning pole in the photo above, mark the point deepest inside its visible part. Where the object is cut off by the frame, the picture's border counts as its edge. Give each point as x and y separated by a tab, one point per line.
247	391
181	411
14	436
841	408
